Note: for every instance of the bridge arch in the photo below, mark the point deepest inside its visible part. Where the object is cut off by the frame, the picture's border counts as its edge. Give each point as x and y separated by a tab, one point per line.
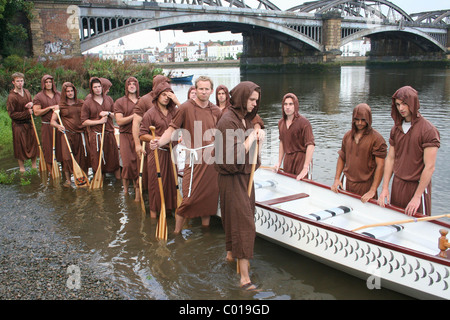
283	33
381	29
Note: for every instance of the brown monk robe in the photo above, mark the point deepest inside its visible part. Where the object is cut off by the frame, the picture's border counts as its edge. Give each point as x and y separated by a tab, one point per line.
361	157
18	105
44	104
124	112
296	139
414	142
145	102
234	164
159	116
96	110
70	113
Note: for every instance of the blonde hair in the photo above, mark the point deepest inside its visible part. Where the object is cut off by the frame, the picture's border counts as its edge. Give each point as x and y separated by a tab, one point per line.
204	78
17	75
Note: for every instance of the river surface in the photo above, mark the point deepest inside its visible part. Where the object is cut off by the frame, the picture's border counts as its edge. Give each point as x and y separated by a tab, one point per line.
192	265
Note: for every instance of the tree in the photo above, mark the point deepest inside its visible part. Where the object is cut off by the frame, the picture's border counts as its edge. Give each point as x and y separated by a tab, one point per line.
14	26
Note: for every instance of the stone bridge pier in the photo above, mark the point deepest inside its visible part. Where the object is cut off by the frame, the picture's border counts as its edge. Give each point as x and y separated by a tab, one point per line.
55	29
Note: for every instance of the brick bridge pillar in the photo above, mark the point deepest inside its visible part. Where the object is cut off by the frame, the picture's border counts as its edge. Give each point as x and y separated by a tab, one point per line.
55	29
331	33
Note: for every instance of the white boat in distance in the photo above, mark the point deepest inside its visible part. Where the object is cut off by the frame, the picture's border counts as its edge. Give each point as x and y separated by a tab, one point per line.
309	218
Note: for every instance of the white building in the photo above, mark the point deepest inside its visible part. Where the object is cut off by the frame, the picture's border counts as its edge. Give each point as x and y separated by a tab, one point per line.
113	51
356	48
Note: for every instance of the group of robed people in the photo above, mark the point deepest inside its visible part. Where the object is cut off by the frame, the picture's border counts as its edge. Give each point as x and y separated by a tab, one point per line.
219	169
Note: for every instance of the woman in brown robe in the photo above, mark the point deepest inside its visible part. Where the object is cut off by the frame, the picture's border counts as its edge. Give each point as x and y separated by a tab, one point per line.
96	110
236	206
159	116
124	113
414	143
44	103
296	139
70	113
361	157
18	105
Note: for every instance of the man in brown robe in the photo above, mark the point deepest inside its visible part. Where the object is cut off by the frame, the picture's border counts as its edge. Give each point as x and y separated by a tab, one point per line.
196	117
44	103
70	114
97	110
234	151
361	157
19	106
124	113
414	143
160	116
222	97
296	139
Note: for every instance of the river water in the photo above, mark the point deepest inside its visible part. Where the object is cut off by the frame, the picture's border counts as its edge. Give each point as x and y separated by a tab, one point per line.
192	265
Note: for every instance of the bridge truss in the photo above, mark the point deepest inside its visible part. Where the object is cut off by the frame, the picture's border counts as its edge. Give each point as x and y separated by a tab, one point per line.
303	22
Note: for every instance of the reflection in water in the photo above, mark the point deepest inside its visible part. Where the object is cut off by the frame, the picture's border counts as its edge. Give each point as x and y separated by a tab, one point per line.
192	265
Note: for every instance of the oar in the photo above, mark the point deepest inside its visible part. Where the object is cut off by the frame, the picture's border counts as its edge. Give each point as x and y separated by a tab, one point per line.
97	181
79	176
161	229
42	165
175	175
402	221
56	174
141	169
250	186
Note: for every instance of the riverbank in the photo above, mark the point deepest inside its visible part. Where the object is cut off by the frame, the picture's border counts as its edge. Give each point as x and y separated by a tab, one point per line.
37	255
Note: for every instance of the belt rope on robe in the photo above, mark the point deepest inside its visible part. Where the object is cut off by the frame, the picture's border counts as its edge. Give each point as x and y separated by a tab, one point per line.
96	140
193	156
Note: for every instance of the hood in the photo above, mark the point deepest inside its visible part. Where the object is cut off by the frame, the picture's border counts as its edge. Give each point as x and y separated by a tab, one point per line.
63	99
160	88
45	78
296	105
227	93
106	85
409	96
127	82
239	97
362	111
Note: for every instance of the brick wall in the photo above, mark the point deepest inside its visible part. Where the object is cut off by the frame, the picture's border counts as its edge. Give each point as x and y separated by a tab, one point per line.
55	29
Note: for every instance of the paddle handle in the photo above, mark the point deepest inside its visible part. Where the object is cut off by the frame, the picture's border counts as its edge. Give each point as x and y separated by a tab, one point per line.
402	221
252	173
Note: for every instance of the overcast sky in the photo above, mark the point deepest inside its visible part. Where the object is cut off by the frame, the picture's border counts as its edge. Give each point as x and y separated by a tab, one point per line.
152	38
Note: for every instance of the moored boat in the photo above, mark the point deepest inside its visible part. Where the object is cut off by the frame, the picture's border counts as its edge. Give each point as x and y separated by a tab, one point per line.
183	79
309	218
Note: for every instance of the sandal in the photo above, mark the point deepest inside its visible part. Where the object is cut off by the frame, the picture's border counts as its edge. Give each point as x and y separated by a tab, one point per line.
249	287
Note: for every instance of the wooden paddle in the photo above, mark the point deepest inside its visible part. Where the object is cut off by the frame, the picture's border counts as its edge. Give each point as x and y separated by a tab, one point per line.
42	165
141	169
56	174
402	221
79	176
175	175
161	228
97	181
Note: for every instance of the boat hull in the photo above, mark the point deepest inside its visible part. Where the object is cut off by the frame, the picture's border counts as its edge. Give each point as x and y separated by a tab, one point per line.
380	262
184	79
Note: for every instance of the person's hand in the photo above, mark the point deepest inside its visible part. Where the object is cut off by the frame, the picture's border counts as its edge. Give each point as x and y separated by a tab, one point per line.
104	119
302	174
383	198
154	144
412	206
337	185
367	196
61	128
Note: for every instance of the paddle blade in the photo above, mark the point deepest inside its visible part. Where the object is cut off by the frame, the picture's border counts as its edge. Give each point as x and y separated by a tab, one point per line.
56	174
42	164
79	176
97	181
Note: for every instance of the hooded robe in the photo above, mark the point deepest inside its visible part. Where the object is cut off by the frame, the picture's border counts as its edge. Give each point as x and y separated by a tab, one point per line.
295	139
123	105
360	157
155	117
45	101
234	166
409	151
75	132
